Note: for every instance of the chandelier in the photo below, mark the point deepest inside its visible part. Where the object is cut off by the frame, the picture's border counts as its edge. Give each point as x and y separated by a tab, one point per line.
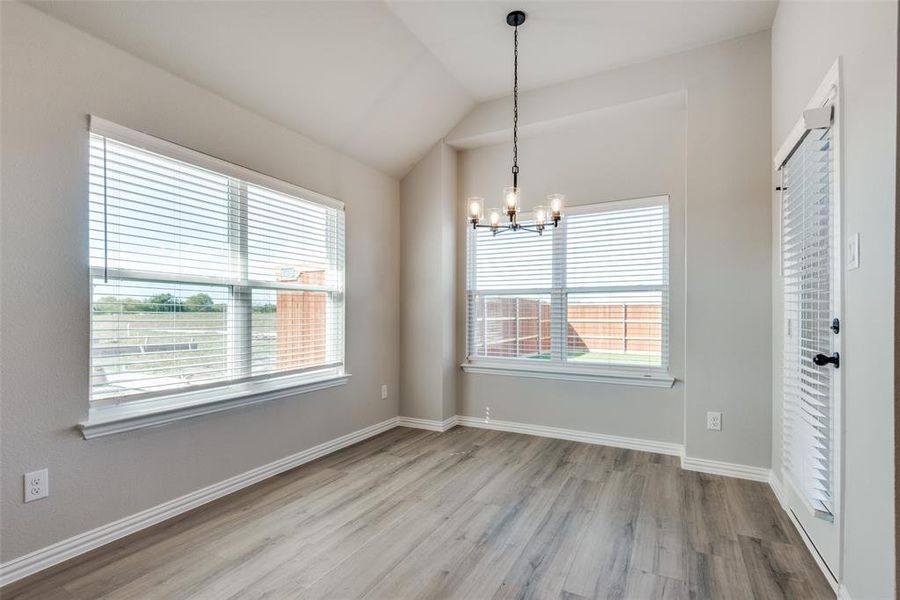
543	215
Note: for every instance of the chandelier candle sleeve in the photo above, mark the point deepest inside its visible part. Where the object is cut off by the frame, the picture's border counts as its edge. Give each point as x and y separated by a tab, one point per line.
556	205
475	210
511	200
495	218
540	216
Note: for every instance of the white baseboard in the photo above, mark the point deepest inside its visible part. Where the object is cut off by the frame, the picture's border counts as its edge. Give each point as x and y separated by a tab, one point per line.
716	467
61	551
56	553
778	490
574	435
429	424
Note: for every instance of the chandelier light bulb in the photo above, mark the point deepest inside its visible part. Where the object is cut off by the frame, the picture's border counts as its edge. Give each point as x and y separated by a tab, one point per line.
540	216
556	202
495	217
475	208
511	199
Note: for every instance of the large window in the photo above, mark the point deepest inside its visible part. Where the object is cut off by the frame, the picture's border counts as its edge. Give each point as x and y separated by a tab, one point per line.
589	294
204	274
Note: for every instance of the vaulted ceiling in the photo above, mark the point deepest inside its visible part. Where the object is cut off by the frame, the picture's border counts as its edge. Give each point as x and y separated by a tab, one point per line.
383	81
566	40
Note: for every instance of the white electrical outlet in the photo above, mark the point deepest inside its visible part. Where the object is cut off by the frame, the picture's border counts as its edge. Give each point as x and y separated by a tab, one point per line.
714	421
384	392
37	485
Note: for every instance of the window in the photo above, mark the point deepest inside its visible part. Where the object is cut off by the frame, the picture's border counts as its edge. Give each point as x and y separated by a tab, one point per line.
205	275
590	295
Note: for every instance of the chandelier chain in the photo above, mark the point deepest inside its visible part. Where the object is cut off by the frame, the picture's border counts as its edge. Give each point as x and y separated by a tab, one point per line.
515	168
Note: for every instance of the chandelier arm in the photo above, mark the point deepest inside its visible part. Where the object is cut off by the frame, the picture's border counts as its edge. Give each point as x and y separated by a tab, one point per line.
498	229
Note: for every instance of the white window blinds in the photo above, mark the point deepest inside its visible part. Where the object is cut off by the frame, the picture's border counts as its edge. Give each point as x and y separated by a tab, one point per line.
591	292
807	213
201	276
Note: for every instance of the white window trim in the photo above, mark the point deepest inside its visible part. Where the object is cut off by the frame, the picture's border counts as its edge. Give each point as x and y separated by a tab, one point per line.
553	369
108	418
589	374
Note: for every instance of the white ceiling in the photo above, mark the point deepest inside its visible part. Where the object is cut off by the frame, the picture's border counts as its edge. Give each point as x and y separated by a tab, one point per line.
566	40
383	81
347	74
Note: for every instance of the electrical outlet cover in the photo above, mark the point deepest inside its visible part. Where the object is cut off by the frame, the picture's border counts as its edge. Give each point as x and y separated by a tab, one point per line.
37	485
714	421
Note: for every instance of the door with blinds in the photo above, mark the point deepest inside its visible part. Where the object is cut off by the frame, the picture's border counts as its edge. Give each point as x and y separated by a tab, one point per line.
810	224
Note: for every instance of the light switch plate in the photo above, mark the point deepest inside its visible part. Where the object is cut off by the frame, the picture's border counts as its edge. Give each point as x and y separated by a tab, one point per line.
853	252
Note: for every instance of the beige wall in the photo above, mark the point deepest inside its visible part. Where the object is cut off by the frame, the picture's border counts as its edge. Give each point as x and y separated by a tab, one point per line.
631	152
52	77
428	287
724	171
806	40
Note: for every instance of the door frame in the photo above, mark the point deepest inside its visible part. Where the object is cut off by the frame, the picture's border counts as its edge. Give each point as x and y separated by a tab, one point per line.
897	340
828	92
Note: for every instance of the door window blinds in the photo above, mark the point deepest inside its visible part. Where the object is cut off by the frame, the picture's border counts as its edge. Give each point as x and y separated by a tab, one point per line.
591	292
201	276
807	213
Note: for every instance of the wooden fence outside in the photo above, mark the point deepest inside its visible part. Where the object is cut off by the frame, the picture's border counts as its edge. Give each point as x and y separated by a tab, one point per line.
510	327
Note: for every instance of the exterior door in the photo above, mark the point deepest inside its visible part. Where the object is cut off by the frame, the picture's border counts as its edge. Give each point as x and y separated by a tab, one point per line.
811	243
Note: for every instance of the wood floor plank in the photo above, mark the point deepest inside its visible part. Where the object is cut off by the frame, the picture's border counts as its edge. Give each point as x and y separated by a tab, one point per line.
709	526
423	574
328	547
465	514
649	586
209	525
714	576
486	565
659	547
754	512
602	560
362	570
544	562
779	571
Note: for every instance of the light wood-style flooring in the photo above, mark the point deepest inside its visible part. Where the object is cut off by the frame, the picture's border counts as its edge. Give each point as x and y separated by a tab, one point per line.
469	513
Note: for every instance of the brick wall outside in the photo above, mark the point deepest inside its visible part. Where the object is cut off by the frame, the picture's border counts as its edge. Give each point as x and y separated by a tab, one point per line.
300	322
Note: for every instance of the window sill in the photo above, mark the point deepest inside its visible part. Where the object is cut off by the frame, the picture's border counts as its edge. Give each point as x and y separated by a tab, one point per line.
605	375
112	419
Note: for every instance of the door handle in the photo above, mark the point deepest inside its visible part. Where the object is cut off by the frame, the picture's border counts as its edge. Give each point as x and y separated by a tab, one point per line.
822	360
